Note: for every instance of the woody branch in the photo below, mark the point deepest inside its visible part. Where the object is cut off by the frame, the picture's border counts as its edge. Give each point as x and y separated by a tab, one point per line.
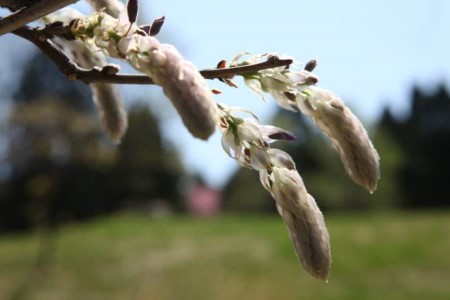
108	74
24	15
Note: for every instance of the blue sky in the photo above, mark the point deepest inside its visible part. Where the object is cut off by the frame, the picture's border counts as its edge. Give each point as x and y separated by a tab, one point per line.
370	53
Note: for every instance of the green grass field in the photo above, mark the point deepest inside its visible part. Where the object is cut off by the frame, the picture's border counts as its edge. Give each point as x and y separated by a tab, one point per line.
375	256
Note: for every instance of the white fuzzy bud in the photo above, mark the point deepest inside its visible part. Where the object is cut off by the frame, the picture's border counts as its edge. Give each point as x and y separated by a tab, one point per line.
188	91
112	112
310	239
347	134
107	97
303	219
180	80
295	89
248	142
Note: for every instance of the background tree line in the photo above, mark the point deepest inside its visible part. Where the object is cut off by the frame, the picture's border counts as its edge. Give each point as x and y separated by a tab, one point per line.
59	166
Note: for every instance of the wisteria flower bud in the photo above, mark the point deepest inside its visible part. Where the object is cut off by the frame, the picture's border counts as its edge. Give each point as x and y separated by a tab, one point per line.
180	80
186	88
248	142
310	239
303	219
112	112
347	134
107	97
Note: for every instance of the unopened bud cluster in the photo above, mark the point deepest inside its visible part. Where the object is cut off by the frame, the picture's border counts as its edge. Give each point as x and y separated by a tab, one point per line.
294	89
249	143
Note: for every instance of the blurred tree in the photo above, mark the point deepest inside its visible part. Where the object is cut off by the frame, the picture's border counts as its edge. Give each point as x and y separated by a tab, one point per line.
62	167
424	137
388	193
244	193
58	162
145	168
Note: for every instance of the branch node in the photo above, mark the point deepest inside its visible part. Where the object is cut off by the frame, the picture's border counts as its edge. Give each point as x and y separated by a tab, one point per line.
110	69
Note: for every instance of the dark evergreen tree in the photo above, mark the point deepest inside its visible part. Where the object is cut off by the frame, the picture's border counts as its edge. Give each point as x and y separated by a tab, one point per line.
63	167
145	168
424	137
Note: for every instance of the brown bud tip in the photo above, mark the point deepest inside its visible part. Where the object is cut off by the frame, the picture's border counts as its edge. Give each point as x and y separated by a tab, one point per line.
311	65
132	10
222	64
156	26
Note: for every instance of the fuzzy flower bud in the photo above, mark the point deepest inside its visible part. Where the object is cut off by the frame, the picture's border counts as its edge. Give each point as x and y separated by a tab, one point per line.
183	84
302	216
347	134
180	80
112	112
107	97
294	90
310	239
248	142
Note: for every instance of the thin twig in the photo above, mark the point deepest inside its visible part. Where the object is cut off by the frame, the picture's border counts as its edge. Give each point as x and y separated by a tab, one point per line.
31	13
271	62
39	37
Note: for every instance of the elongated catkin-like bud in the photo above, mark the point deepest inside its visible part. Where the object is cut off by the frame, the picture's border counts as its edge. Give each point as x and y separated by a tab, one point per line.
186	88
107	97
303	219
112	113
310	239
179	78
347	134
248	143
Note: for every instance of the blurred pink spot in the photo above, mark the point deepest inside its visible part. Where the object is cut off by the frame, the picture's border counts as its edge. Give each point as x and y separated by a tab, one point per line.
202	200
